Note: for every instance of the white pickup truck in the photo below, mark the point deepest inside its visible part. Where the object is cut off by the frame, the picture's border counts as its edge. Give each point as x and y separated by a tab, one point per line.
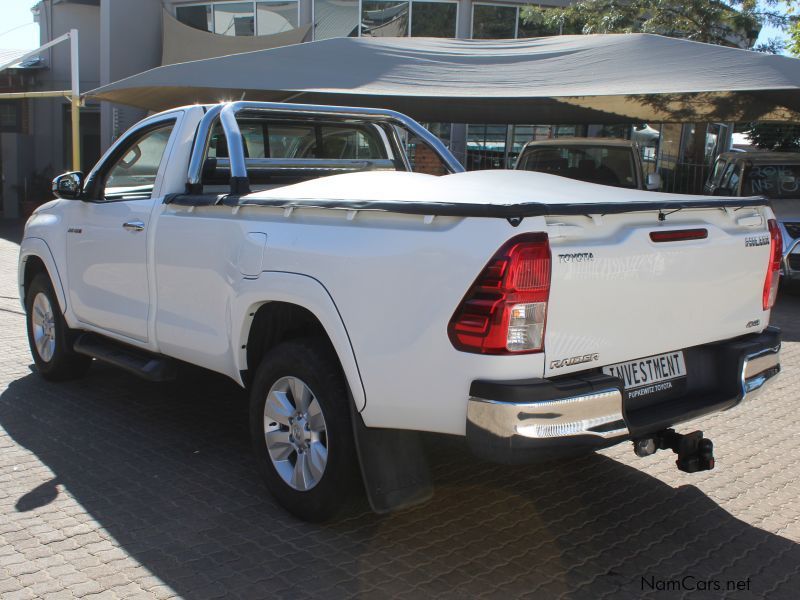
294	249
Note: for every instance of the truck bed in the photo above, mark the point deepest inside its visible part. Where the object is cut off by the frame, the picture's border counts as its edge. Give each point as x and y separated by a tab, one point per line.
497	194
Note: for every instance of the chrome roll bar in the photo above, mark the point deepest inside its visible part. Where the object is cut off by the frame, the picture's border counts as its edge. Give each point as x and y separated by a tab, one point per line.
226	114
200	149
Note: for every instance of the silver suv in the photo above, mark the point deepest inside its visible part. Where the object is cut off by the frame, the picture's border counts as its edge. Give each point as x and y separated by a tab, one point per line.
775	175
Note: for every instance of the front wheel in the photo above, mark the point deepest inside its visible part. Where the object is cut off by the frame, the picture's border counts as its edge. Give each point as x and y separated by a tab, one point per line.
301	429
49	337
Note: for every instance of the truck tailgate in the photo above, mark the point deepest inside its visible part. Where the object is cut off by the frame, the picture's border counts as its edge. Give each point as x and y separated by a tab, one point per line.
618	295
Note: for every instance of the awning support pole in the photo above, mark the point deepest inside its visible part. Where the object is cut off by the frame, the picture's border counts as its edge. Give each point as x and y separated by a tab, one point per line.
73	94
75	99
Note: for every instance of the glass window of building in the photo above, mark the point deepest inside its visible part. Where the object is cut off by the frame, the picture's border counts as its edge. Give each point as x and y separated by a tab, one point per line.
486	146
254	17
434	19
335	18
197	16
235	18
400	18
275	16
537	29
494	22
384	18
11	116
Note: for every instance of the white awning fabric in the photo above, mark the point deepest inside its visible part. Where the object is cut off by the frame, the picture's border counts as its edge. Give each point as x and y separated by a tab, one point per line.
182	43
611	78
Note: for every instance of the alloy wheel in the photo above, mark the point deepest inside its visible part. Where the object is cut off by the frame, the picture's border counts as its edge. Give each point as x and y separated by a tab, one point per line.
44	327
296	434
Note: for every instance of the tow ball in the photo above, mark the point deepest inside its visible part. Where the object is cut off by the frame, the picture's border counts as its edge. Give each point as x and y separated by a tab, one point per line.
695	453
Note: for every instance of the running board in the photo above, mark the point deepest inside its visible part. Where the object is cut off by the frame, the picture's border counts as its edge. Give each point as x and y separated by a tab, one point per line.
151	367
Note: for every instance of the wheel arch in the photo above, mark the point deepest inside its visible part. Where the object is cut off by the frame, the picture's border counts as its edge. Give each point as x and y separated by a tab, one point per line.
278	306
34	258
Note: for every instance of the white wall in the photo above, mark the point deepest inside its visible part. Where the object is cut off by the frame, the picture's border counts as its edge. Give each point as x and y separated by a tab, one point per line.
47	116
130	42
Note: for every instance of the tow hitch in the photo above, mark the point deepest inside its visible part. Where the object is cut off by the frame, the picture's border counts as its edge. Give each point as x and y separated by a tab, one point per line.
695	453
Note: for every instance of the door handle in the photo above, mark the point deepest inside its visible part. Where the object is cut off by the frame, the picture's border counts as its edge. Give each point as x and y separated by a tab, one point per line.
133	226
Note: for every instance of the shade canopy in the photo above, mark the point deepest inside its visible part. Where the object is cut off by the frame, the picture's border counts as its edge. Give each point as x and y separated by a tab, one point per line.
611	78
181	43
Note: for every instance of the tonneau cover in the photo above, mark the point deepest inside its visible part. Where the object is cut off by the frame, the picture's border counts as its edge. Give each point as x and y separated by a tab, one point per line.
496	193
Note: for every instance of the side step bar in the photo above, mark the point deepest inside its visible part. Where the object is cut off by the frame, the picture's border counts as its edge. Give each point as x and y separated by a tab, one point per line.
151	367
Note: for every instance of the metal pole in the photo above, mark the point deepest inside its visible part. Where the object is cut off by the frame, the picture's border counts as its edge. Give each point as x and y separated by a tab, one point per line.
24	95
75	99
36	52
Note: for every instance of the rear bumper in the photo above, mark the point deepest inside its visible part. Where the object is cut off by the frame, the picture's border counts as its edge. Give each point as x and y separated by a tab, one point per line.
520	421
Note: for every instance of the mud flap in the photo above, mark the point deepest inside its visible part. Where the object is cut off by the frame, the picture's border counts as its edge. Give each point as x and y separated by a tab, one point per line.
393	466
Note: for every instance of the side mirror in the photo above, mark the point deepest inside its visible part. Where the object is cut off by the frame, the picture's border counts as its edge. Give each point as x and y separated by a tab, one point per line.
68	186
653	181
722	191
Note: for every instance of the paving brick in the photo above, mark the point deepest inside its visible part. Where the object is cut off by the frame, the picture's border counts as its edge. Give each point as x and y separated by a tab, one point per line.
9	584
111	487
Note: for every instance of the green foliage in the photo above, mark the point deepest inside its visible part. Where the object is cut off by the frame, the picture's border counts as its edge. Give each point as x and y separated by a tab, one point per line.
782	137
727	23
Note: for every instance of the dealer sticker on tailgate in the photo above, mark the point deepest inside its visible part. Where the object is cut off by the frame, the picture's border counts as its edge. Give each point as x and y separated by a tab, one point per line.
650	375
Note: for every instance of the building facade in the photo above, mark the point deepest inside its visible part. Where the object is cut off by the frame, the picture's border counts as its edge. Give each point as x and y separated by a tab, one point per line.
120	38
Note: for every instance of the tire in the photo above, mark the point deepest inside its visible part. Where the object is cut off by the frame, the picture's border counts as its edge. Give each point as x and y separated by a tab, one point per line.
291	445
49	338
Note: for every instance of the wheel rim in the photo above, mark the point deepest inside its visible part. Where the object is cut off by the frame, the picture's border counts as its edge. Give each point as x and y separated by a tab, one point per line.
296	434
43	325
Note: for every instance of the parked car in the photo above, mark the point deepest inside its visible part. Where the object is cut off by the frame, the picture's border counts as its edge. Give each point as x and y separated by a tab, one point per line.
775	175
596	160
290	248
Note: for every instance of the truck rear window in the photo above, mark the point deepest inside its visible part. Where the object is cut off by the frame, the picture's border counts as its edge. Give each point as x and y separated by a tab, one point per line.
596	164
773	181
263	139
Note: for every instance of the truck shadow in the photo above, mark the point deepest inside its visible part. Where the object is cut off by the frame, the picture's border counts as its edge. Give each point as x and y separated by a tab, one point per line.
786	313
167	471
12	230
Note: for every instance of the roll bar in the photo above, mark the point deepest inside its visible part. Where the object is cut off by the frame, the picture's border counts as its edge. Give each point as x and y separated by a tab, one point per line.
226	113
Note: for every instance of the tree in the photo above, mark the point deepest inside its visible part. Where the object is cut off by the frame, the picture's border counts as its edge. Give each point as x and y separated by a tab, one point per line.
727	23
782	137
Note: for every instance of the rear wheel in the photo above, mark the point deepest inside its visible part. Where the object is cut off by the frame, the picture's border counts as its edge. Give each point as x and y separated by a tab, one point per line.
301	429
49	338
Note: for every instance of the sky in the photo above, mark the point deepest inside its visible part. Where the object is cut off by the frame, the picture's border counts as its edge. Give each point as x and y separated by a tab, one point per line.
17	29
19	32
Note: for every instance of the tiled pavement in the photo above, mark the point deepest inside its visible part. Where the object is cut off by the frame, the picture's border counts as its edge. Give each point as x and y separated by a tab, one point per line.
113	487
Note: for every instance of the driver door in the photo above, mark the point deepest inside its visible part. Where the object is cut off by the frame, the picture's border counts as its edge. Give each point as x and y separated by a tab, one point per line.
107	234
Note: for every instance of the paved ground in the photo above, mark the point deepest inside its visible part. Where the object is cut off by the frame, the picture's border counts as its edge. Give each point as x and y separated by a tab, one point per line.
121	488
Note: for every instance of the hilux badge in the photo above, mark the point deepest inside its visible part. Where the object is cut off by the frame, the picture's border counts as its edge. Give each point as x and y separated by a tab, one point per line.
756	240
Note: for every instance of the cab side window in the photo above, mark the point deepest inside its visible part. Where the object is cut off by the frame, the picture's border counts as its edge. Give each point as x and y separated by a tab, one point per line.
733	182
727	175
133	174
719	167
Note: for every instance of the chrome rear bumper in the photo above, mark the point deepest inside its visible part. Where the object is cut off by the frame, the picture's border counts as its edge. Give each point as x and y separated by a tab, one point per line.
759	368
597	414
516	421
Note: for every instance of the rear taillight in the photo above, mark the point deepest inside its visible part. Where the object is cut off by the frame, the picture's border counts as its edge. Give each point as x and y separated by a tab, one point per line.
505	310
679	235
774	269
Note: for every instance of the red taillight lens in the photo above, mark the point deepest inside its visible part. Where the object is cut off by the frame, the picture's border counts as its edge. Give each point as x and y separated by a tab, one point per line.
505	310
774	269
679	235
